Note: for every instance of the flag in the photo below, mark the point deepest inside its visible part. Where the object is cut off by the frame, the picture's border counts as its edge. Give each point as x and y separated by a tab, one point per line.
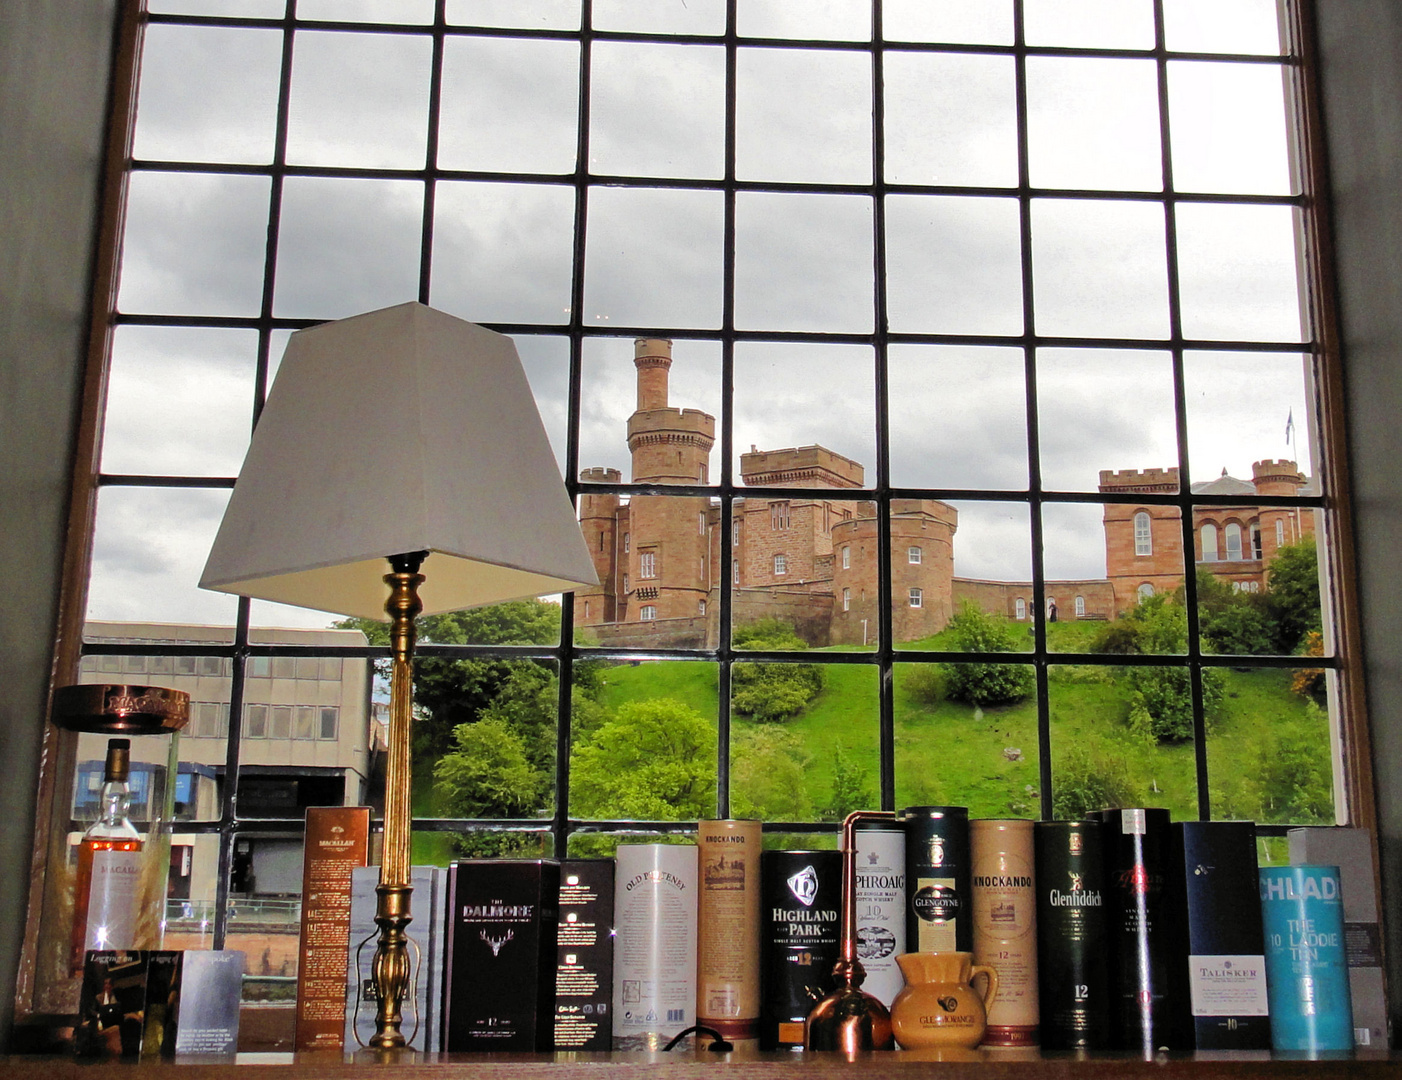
1289	426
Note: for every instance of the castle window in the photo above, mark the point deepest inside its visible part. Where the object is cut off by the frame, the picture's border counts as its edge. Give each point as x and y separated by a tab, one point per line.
625	583
1255	541
779	515
781	565
601	541
916	597
1279	532
913	555
846	556
1209	542
647	564
735	571
1080	607
735	531
701	522
703	474
700	607
846	599
1143	538
1145	591
648	613
586	609
626	537
1020	608
1233	533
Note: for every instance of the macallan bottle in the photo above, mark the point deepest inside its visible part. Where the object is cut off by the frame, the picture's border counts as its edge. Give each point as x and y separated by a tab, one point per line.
106	898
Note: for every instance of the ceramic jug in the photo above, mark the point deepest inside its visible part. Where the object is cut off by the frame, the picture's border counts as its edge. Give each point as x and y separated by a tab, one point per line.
939	1006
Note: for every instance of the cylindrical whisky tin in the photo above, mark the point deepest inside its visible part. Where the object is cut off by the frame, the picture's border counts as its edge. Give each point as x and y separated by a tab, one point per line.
1072	976
937	879
1135	846
880	881
1306	966
800	937
1004	903
727	943
654	960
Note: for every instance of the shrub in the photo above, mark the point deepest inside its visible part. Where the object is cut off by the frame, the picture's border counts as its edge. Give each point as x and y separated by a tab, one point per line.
925	683
1086	782
985	684
1161	704
772	692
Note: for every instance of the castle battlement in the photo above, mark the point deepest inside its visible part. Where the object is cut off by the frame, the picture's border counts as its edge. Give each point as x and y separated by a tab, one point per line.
599	474
1138	477
801	466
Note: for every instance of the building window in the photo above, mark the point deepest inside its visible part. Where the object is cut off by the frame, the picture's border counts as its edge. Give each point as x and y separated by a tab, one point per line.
779	515
647	564
648	613
1209	542
1233	534
846	599
1145	591
1080	607
1020	608
781	565
916	597
330	722
912	555
1143	538
846	556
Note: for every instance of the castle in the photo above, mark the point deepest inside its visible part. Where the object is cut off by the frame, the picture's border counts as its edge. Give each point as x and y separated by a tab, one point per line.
812	561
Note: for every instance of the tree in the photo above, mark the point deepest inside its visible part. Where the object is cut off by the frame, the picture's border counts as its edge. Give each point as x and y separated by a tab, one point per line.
654	760
768	775
1231	621
851	788
772	691
1293	592
985	684
488	773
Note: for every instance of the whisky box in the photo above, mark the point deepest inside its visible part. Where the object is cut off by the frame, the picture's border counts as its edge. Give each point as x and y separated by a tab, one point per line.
654	957
1351	850
211	991
500	987
1072	974
584	956
1003	908
937	879
428	903
880	885
801	937
1218	984
1135	846
1306	964
727	921
337	841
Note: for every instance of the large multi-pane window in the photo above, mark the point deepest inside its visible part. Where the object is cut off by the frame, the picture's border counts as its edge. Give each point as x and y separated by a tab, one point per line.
1020	289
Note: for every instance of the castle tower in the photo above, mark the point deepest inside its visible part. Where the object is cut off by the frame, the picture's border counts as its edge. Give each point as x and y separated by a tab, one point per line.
1280	526
599	521
1143	543
668	541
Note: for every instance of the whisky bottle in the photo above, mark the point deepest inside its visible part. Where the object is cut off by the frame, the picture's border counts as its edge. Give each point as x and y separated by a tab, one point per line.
106	898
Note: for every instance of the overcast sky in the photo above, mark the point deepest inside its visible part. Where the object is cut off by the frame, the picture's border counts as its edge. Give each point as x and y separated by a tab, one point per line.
180	399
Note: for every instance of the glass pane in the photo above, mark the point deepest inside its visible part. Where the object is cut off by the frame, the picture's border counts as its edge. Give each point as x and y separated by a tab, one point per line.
611	386
194	244
654	258
547	364
327	226
1090	24
149	549
648	748
537	15
985	755
502	252
509	104
1076	586
200	384
359	100
1222	26
817	400
1130	394
832	20
1099	268
953	264
1228	128
817	763
657	110
992	568
803	116
647	17
190	902
1268	753
249	9
964	22
1245	408
785	275
957	416
1093	123
208	94
385	11
265	914
950	119
1105	753
1239	272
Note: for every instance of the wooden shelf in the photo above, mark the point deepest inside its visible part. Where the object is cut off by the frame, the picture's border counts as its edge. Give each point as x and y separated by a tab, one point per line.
982	1065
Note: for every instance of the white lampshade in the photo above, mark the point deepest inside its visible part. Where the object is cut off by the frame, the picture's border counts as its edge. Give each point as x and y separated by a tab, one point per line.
397	431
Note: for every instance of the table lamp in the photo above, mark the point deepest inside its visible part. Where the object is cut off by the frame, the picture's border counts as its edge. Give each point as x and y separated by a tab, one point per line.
402	434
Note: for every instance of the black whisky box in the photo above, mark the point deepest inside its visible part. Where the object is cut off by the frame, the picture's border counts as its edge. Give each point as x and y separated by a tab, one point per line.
584	956
938	879
499	993
1072	976
800	940
1218	977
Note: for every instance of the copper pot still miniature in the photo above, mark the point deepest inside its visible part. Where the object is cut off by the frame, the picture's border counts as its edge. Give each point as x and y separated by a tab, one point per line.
939	1006
849	1019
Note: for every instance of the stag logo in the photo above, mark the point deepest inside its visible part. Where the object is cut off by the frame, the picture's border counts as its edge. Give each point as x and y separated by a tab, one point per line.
948	1004
496	943
1077	881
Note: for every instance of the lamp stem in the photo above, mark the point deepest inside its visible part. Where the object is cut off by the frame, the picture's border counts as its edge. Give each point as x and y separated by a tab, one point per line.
391	968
